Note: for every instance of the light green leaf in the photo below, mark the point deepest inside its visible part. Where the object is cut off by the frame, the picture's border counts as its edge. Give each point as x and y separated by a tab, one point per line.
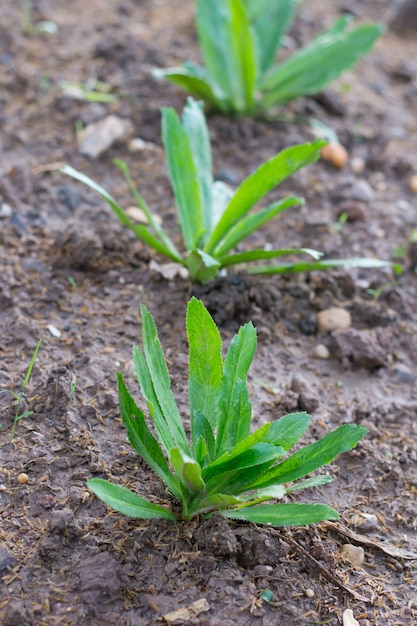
142	439
195	126
234	401
259	435
287	430
251	223
313	456
261	254
161	383
283	514
184	178
127	502
261	182
215	502
205	362
202	266
188	471
196	80
310	69
315	481
228	50
308	266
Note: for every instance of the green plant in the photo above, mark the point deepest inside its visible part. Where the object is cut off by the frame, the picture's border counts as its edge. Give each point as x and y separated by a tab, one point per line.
19	396
213	219
223	467
239	42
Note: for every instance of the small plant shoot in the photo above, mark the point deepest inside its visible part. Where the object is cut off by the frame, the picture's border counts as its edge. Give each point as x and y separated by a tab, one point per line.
240	41
213	219
221	466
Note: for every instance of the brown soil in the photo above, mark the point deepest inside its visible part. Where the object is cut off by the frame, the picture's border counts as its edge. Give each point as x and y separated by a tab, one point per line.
66	263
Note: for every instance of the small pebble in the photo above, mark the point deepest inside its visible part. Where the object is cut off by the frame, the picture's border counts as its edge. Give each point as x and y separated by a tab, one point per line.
357	165
55	332
309	593
412	183
5	210
333	319
321	351
354	554
335	154
362	191
22	478
348	619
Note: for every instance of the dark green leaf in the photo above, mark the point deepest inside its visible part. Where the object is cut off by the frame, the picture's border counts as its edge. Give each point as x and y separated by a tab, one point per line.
283	514
261	254
288	429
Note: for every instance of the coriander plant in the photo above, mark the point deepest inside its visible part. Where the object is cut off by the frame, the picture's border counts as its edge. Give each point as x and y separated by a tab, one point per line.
239	42
214	220
222	466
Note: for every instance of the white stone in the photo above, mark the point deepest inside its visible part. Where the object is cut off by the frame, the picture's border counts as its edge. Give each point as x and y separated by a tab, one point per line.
333	319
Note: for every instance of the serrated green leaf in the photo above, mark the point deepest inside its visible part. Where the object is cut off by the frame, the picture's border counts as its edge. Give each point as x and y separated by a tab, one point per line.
261	182
142	439
184	178
287	430
283	514
127	502
314	481
235	408
312	457
159	378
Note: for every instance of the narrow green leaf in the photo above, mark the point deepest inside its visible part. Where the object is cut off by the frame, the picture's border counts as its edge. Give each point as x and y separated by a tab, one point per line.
188	471
141	438
227	46
283	514
234	401
251	223
201	429
141	231
270	21
216	502
205	362
184	178
159	375
195	126
313	456
308	266
161	234
315	481
258	454
196	80
260	254
287	430
261	182
127	502
310	69
202	266
258	436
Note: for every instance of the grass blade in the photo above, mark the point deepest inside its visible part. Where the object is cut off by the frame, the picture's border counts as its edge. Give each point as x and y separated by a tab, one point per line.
205	363
127	502
283	514
261	182
313	456
228	50
250	223
184	178
142	439
141	231
260	254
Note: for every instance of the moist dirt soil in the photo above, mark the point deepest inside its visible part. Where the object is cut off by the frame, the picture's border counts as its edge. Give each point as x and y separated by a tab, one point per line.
72	276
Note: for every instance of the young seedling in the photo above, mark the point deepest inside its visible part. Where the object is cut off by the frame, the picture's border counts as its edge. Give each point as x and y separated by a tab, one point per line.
214	220
222	466
19	396
239	42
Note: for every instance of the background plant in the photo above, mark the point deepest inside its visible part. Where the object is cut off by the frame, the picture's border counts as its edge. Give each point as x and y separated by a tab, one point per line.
239	41
214	220
223	466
